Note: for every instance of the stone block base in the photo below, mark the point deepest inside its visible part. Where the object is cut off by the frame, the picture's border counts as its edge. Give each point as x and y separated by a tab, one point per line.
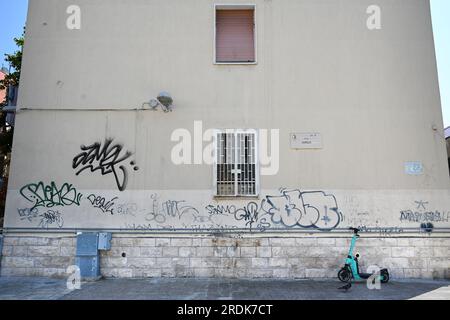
262	257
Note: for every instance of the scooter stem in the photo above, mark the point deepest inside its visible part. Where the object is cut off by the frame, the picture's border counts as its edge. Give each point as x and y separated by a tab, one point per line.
352	245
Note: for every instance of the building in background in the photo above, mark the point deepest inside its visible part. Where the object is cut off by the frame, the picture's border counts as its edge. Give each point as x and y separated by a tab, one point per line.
3	73
330	126
10	108
447	140
9	97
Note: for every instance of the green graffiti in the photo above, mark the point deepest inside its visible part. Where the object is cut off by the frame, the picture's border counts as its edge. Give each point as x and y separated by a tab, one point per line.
50	195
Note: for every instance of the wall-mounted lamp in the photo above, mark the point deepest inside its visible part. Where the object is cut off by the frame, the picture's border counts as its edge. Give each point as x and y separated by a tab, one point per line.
164	100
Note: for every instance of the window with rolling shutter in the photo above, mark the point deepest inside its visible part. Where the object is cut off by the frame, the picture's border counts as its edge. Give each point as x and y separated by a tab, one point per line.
235	35
236	166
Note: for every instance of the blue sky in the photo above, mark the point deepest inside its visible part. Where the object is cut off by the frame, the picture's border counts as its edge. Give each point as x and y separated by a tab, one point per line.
14	15
440	11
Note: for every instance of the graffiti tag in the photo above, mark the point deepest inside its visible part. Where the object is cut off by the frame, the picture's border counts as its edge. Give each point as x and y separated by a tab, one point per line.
102	204
107	159
310	209
50	217
50	195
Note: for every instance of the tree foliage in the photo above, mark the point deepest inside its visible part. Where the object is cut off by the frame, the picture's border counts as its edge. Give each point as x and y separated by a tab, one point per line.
6	133
15	61
11	80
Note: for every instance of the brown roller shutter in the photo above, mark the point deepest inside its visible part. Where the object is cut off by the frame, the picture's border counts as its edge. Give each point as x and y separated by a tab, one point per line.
235	39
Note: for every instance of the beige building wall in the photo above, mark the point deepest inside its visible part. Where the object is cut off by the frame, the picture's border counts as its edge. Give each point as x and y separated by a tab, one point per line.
373	96
319	69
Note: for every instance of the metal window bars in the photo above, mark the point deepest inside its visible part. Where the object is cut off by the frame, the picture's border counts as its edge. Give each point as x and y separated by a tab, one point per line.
236	163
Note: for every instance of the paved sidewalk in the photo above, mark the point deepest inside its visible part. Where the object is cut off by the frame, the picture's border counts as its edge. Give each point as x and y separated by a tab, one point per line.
442	293
216	289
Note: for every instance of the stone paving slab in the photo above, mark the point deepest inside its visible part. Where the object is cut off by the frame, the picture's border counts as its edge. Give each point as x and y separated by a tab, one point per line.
442	293
216	289
30	288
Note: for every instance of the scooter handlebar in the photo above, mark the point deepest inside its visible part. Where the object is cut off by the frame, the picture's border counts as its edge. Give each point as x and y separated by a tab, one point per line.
355	230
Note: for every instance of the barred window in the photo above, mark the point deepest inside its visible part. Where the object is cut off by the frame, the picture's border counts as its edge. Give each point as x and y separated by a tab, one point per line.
236	168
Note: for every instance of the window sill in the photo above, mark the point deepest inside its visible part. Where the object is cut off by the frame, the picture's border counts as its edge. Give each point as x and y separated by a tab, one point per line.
236	198
236	63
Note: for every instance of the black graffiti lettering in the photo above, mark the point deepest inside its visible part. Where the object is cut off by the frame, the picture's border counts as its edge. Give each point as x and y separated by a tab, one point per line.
171	209
291	208
202	219
155	214
102	204
47	218
157	217
51	217
288	209
428	216
135	226
107	159
177	209
51	195
126	209
249	214
220	209
263	224
383	231
28	213
310	209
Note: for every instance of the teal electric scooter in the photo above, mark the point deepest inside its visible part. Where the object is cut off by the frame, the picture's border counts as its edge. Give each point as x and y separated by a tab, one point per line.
351	269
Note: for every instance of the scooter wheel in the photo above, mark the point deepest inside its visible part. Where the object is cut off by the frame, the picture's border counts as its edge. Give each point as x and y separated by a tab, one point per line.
384	276
344	275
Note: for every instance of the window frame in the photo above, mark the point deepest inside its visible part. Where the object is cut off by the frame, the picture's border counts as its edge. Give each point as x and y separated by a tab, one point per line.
239	6
235	133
